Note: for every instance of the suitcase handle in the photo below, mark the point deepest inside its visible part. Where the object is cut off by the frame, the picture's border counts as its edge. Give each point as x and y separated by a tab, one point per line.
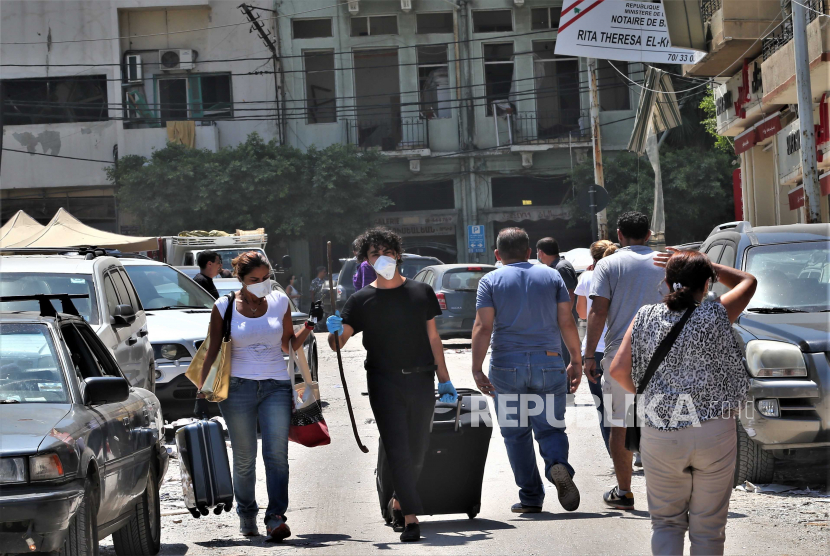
450	405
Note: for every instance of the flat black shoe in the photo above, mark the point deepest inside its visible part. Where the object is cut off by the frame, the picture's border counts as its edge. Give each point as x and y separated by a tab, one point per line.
520	508
397	516
412	533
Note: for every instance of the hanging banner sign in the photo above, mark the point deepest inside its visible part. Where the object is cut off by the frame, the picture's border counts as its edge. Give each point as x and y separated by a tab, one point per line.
619	30
796	197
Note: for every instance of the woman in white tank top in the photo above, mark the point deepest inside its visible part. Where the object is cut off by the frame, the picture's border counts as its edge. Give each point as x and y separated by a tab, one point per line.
260	389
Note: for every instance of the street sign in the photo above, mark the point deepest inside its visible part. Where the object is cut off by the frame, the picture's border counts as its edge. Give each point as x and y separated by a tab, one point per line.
600	200
619	30
475	239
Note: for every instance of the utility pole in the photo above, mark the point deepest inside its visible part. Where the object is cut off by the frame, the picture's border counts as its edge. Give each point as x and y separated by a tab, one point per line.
809	168
2	106
256	25
602	216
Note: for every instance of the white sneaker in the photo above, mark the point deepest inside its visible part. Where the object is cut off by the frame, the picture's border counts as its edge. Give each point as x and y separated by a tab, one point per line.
247	526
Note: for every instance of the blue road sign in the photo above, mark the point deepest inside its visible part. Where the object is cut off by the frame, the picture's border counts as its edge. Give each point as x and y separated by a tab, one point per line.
475	239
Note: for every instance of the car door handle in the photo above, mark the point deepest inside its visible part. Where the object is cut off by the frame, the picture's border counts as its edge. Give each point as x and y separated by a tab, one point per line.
132	340
143	332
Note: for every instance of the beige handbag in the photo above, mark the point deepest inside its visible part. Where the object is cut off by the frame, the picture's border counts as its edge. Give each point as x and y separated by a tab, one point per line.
218	379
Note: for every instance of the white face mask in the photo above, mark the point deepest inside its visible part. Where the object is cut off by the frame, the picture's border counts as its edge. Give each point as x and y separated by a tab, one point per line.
260	289
385	266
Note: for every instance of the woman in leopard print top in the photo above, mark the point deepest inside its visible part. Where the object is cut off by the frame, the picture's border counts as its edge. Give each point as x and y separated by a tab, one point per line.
688	441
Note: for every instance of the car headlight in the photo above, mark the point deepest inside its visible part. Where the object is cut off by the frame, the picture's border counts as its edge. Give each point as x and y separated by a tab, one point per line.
171	352
12	470
767	358
47	466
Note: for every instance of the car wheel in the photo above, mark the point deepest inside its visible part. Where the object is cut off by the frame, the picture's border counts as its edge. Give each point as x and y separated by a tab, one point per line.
142	534
754	464
82	538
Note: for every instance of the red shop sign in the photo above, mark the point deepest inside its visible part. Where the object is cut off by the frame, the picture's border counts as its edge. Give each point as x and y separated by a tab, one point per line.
768	128
824	182
745	141
796	197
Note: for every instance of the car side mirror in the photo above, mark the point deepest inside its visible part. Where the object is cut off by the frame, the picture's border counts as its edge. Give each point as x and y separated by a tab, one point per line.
124	315
286	261
105	389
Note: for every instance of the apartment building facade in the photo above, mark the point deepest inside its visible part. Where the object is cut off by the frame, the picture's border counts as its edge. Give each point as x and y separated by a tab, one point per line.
750	54
478	121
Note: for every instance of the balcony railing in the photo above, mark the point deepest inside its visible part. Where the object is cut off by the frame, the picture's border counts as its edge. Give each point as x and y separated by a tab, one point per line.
391	134
540	128
709	7
783	33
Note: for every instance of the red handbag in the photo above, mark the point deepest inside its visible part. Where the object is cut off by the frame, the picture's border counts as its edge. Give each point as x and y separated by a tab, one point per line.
308	427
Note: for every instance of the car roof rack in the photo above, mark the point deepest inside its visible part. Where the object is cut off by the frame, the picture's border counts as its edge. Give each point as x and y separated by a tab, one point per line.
46	308
740	226
89	252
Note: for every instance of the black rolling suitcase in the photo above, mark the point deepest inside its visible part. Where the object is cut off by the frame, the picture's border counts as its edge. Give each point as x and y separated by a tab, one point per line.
453	472
206	473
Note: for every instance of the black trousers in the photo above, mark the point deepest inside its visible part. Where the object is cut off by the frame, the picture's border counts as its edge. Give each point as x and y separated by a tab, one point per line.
403	406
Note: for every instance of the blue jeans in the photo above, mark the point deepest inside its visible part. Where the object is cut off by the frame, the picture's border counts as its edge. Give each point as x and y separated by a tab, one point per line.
544	375
596	391
268	401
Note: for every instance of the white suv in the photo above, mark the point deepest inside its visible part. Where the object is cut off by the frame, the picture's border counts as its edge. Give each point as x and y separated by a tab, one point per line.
113	308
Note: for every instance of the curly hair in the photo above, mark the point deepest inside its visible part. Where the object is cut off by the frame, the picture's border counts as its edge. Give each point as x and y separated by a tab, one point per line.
633	225
379	237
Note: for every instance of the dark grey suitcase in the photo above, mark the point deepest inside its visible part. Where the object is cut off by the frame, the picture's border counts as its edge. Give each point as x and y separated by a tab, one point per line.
206	473
453	471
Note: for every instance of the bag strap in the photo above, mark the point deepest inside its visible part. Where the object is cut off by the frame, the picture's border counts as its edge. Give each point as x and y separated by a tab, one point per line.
663	349
226	321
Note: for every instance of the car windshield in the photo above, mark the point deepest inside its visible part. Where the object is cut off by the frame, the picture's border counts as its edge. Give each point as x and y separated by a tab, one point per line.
161	287
348	271
29	283
411	267
793	276
463	279
29	368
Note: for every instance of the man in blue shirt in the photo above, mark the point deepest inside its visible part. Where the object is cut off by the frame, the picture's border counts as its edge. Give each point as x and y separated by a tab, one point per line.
520	310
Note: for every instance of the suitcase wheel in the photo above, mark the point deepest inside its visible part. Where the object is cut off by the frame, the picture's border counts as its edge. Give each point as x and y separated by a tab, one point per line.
473	512
217	510
203	510
472	515
228	506
195	513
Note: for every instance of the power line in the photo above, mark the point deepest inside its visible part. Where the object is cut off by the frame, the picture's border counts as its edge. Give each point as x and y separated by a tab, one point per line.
60	156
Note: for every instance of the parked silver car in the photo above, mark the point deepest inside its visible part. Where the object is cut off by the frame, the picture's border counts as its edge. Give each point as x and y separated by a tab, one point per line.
455	286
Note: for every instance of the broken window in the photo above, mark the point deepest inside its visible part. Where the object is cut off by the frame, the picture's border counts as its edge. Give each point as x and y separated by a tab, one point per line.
378	98
492	21
311	28
498	74
200	96
544	18
557	90
438	22
613	88
374	25
55	100
321	98
434	81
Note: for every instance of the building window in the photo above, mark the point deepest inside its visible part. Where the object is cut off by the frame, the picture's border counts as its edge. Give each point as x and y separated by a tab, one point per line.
557	90
613	88
434	81
200	96
492	21
55	100
311	28
374	25
428	23
377	99
498	73
321	99
544	18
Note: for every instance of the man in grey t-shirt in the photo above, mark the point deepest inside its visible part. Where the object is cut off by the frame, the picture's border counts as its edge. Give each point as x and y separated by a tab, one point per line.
621	284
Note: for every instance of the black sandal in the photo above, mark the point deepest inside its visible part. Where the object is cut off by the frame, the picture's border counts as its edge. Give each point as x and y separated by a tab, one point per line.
397	516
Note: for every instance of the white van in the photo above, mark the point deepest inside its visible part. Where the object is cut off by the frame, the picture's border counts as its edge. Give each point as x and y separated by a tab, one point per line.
113	308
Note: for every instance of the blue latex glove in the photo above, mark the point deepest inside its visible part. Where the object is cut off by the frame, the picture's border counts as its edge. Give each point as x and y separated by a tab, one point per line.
447	393
334	323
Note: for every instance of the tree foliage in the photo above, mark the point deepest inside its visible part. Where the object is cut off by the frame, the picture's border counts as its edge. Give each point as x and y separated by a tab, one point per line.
710	122
697	190
332	192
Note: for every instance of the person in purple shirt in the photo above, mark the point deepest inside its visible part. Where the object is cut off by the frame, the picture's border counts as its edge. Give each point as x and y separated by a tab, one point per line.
364	276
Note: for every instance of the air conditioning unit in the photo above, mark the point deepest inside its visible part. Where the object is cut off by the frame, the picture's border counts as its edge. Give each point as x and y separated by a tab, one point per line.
354	6
134	68
406	5
178	59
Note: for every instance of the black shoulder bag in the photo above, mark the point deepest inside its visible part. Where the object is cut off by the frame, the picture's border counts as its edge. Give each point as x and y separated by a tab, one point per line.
632	433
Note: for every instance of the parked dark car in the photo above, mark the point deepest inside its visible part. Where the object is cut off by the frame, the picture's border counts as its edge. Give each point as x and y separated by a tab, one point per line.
81	454
411	265
785	334
455	286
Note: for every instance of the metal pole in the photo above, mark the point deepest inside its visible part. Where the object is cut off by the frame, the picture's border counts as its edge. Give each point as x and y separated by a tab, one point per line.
601	217
496	124
592	203
809	168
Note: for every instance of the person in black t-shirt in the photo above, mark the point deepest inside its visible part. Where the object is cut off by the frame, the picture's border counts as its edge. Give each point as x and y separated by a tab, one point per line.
210	265
403	354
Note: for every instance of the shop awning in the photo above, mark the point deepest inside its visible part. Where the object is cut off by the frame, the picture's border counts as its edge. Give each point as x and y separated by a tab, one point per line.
658	108
64	230
19	227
